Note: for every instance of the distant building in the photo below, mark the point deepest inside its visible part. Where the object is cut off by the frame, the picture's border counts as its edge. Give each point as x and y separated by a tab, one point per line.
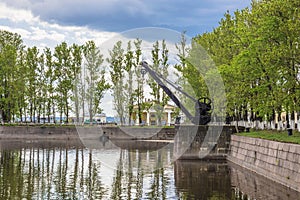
100	118
97	119
110	120
154	115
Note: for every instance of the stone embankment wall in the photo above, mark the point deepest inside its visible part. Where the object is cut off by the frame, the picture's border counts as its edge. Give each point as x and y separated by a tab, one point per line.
277	161
203	142
38	132
250	186
127	132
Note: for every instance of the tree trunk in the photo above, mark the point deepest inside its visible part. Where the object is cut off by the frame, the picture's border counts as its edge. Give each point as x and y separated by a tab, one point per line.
67	111
21	114
91	108
76	105
39	113
34	111
292	124
44	112
61	112
31	114
25	115
287	120
53	112
298	121
83	111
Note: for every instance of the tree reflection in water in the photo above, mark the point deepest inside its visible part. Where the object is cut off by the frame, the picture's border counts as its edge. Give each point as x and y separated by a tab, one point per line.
50	173
73	172
132	181
67	172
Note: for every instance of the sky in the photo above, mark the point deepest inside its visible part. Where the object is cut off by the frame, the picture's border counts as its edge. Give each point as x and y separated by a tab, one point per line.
47	23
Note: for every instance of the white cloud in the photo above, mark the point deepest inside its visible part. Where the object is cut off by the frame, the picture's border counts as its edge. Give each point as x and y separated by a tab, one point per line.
36	32
119	15
16	15
20	31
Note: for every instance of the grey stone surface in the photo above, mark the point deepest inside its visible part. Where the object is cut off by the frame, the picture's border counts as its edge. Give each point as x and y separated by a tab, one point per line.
259	187
38	132
274	160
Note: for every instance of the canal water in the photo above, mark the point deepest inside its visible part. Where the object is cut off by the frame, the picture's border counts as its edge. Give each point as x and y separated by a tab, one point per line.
68	170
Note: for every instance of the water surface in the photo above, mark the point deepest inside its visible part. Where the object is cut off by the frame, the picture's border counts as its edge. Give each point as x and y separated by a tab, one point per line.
68	170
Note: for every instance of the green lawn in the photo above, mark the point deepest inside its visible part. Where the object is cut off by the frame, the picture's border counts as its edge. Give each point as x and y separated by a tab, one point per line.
280	136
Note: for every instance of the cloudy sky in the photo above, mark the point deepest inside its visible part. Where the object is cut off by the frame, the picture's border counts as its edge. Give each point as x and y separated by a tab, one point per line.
50	22
46	22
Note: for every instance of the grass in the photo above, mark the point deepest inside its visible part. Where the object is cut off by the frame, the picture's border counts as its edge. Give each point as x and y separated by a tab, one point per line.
152	126
280	136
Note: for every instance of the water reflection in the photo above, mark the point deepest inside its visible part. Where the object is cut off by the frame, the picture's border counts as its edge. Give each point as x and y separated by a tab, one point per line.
250	186
50	173
203	180
67	170
31	170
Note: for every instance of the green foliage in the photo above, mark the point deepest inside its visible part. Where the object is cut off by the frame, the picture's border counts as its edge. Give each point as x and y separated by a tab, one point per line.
38	84
159	65
11	85
117	78
94	77
138	93
63	72
129	68
256	51
76	63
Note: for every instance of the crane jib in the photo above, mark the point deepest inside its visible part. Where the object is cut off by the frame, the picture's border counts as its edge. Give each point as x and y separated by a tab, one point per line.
202	109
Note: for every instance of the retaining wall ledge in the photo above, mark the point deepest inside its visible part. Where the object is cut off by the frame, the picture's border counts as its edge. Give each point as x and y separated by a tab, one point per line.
277	161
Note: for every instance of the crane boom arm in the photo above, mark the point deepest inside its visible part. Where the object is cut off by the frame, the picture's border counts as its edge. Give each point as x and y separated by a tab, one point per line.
202	109
167	91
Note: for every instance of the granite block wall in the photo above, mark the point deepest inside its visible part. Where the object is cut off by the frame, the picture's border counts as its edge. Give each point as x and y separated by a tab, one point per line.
275	160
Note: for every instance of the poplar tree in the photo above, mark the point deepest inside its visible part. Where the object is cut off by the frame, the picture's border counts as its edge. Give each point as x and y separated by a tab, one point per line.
95	78
138	92
33	85
129	68
76	63
50	80
64	79
117	77
159	65
11	45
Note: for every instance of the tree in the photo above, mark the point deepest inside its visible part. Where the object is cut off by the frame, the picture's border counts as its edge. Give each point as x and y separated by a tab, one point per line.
256	51
94	77
129	68
21	86
42	92
76	62
65	77
117	78
183	51
160	65
32	91
138	93
50	77
11	46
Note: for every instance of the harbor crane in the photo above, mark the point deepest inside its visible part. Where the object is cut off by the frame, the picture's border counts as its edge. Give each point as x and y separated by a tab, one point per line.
203	106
